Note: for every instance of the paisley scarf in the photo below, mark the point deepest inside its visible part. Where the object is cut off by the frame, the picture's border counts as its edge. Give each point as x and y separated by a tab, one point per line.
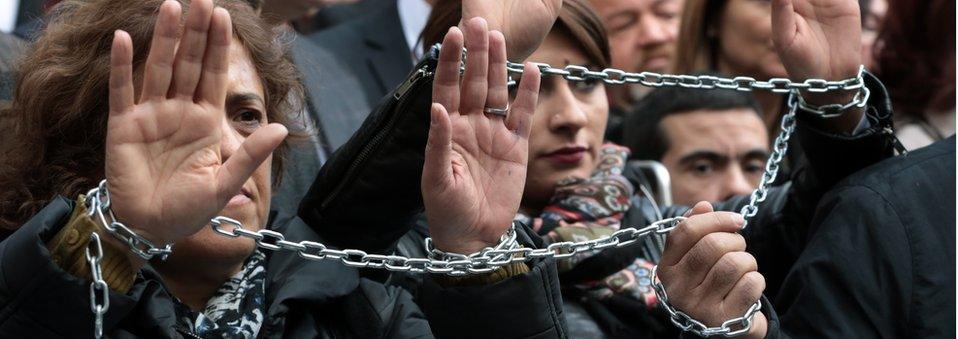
586	209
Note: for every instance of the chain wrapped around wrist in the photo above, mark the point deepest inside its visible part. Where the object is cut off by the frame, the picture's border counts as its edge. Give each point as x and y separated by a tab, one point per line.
98	206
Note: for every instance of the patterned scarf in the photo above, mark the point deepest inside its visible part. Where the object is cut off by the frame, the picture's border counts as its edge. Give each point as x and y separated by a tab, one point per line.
238	308
587	209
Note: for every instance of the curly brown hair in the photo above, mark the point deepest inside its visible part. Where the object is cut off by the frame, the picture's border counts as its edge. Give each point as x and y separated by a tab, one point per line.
60	106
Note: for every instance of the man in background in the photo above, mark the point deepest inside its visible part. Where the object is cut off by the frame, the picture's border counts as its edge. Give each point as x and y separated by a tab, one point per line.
642	35
713	143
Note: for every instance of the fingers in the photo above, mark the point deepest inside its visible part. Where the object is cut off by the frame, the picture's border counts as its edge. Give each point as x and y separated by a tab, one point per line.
121	73
498	91
520	119
747	290
705	255
238	168
445	86
475	80
189	56
726	272
213	82
783	24
158	69
690	231
438	147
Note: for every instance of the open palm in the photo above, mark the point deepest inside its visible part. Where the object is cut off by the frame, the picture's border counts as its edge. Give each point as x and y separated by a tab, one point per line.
164	168
475	166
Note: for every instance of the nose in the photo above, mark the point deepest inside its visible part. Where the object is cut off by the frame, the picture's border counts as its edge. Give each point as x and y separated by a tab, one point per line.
736	183
655	31
568	117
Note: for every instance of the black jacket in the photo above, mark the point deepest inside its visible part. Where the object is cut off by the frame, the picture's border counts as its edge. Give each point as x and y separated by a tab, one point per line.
304	298
880	258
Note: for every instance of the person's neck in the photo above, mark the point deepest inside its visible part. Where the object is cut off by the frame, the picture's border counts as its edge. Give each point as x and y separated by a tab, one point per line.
194	287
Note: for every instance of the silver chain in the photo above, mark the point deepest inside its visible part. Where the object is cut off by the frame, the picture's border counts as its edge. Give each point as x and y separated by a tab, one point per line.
99	291
484	261
98	205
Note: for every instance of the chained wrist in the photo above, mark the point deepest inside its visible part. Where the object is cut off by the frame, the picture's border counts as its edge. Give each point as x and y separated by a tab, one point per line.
98	205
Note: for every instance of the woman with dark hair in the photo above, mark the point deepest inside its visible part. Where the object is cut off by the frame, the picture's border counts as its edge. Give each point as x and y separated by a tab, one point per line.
578	187
915	56
186	124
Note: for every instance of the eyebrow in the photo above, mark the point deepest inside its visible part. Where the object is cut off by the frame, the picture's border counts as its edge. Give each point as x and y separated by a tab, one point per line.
233	99
703	154
755	153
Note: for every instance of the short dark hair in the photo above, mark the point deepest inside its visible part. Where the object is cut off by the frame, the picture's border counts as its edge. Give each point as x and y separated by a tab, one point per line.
642	132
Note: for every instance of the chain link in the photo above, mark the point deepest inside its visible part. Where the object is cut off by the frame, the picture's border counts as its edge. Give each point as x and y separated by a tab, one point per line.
99	291
98	206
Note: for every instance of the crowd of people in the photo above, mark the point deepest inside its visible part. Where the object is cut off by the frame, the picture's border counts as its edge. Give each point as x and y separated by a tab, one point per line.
477	168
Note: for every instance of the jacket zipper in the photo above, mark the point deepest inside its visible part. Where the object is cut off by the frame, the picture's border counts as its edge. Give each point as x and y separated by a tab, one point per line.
380	135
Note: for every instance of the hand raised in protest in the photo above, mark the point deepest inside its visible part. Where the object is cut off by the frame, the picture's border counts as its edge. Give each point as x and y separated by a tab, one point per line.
524	23
475	162
165	169
820	39
706	271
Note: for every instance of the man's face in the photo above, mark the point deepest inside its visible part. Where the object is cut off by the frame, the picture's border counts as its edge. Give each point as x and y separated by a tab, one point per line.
641	32
714	155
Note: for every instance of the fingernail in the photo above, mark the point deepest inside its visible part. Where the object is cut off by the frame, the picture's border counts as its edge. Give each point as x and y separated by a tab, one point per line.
738	219
688	212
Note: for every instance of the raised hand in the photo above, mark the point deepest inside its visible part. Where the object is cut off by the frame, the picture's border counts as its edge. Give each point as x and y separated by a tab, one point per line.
166	174
525	23
706	271
820	39
475	163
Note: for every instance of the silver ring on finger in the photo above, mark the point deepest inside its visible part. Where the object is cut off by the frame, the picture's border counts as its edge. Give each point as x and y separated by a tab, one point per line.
497	111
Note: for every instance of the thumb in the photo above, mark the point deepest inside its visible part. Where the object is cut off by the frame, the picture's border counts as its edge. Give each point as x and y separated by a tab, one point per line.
238	168
701	207
438	148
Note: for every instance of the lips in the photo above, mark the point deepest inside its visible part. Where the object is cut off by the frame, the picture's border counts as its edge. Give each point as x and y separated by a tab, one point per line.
566	156
243	197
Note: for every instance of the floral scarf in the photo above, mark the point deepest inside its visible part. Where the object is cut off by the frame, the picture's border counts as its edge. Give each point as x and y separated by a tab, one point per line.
587	209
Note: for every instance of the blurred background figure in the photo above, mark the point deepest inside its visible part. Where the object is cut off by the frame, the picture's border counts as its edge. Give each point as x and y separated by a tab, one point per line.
713	143
915	58
732	37
381	46
642	36
873	15
299	12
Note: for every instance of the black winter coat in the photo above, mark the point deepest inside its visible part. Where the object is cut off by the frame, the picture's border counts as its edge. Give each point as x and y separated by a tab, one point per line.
880	258
305	299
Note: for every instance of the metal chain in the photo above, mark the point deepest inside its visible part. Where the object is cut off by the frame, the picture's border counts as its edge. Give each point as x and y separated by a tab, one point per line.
99	291
98	205
772	165
651	79
453	264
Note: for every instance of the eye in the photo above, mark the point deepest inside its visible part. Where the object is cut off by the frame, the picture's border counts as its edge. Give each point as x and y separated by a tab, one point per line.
586	86
702	168
754	167
248	119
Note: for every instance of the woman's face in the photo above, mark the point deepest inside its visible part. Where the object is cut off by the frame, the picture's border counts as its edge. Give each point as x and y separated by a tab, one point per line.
568	125
245	112
745	40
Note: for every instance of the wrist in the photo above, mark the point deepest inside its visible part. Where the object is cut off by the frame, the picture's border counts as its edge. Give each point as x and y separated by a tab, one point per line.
462	246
